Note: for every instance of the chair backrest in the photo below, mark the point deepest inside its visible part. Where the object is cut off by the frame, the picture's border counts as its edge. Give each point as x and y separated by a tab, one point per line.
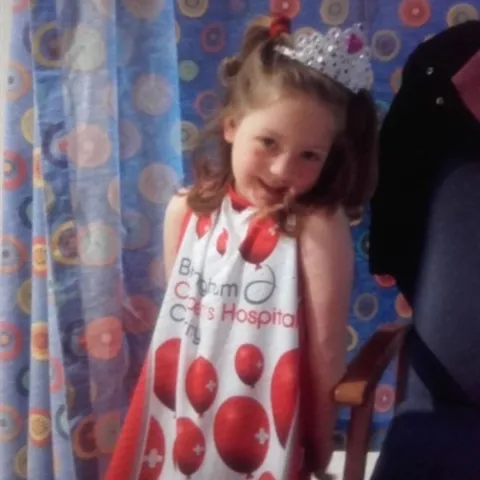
444	347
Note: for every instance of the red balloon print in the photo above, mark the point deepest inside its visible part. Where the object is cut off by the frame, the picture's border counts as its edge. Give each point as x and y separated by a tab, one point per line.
222	242
267	476
201	384
284	393
203	225
189	447
260	241
249	364
154	455
242	434
165	373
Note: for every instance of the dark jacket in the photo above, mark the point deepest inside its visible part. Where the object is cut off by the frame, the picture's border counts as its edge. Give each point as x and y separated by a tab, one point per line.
426	124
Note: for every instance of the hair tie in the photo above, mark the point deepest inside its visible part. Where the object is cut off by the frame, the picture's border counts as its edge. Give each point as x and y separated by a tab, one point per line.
280	24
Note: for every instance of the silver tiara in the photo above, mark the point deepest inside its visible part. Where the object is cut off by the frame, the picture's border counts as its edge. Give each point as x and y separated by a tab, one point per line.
340	54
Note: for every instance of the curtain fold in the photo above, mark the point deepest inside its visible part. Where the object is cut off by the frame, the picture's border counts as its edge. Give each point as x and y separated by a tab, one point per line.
91	158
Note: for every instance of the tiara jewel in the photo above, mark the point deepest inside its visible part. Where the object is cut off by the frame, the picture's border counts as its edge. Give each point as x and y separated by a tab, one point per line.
340	54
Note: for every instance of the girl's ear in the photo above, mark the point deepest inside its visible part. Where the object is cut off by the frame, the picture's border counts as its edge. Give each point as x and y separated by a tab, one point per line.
229	129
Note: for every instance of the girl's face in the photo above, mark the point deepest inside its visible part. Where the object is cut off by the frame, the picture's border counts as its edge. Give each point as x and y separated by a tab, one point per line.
280	147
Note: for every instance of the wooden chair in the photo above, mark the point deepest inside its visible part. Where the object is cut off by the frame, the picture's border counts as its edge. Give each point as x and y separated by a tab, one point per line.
357	391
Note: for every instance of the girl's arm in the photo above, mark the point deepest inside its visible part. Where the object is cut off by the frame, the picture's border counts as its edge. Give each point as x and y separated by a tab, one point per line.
172	225
327	264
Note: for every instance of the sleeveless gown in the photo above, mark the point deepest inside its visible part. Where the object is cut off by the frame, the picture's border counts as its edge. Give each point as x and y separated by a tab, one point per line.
219	395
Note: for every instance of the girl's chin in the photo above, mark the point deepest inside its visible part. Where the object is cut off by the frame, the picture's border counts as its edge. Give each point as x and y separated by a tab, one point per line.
263	198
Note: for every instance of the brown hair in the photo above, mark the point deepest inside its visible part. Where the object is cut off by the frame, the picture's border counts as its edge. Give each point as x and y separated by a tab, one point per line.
350	173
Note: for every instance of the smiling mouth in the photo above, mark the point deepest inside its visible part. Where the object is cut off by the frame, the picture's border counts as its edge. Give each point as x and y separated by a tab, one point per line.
272	191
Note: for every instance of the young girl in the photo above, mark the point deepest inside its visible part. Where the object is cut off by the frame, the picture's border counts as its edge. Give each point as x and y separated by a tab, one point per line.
251	337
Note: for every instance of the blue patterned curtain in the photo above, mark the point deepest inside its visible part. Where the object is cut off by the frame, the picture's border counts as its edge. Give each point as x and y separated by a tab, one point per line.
92	156
105	99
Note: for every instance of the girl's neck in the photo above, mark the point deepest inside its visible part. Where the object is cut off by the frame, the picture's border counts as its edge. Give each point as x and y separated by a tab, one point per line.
237	198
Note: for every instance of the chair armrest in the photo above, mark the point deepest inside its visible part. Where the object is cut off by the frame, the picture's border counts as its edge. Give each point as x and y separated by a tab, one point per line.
366	369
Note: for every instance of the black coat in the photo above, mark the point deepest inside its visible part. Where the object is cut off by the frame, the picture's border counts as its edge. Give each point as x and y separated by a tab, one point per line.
426	125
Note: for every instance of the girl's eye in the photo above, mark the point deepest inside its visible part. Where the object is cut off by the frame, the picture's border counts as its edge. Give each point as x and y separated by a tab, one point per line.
310	156
267	142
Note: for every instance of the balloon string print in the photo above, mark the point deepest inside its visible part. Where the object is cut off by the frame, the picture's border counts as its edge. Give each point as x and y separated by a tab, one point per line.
266	284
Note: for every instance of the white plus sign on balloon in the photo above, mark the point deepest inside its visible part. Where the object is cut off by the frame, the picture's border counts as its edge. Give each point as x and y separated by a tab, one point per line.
153	458
211	385
262	436
198	450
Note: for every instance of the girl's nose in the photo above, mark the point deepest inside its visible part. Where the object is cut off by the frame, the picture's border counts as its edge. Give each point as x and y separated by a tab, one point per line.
281	168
